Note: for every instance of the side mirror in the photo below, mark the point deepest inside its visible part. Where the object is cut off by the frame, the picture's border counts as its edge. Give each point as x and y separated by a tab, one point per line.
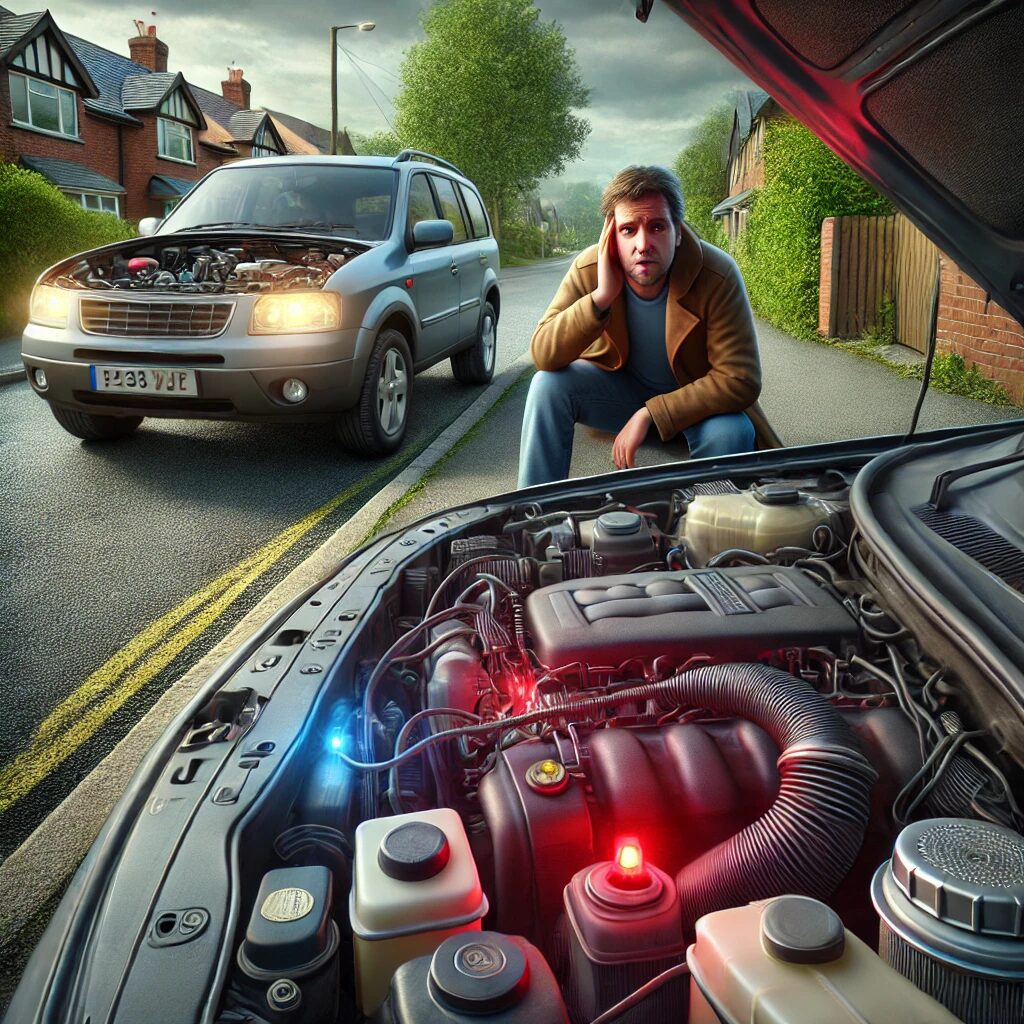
429	233
148	225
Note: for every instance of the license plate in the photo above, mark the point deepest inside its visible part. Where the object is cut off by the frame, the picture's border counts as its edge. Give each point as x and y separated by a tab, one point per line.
144	381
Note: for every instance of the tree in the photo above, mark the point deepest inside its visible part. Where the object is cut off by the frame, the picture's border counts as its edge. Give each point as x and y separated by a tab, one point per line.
382	143
702	171
581	210
492	88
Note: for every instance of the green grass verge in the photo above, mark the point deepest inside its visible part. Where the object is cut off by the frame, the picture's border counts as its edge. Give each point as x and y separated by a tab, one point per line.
951	373
417	488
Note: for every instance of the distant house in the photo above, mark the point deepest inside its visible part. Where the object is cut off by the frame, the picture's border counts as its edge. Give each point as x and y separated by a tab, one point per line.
745	161
120	134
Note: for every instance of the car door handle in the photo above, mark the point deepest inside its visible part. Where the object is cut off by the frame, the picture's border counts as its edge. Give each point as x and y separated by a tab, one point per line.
455	269
483	257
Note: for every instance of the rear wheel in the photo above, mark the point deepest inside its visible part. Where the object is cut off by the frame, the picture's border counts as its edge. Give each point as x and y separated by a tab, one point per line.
377	422
90	427
476	365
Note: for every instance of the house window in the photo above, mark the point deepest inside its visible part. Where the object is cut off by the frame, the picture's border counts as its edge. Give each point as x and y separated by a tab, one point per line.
46	107
170	204
174	140
263	144
97	202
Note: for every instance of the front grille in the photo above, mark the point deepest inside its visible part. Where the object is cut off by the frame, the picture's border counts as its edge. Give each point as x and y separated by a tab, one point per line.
134	319
135	358
207	405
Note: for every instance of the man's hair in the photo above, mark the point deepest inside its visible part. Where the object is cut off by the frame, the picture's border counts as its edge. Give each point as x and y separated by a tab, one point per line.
635	181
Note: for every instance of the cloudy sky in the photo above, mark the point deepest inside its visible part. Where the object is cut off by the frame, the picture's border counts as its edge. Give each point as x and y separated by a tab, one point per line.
650	84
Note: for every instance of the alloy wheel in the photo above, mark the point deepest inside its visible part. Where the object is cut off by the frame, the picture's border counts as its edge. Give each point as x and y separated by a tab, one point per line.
392	392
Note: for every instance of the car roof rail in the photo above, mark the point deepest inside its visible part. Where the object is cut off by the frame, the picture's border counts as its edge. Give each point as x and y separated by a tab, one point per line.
418	154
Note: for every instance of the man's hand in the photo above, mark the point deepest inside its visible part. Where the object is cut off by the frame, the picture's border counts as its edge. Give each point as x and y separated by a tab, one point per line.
610	279
630	437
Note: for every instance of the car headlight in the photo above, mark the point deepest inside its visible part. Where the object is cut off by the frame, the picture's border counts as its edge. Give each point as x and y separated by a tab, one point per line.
296	313
49	306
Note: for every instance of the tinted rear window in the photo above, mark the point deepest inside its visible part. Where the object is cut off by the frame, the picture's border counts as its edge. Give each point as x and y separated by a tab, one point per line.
476	211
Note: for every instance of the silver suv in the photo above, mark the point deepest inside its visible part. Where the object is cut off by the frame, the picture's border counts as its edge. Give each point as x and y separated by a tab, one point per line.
306	288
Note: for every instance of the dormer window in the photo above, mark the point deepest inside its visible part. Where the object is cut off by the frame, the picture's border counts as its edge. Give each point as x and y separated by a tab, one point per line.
264	143
43	106
174	129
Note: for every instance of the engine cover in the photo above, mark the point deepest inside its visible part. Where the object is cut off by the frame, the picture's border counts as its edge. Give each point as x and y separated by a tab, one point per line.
732	614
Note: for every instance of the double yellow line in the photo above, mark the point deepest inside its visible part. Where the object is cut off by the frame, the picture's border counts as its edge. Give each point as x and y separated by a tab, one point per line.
107	689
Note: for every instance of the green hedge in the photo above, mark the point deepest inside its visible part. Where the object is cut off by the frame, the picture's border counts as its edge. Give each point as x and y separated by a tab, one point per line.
780	251
40	227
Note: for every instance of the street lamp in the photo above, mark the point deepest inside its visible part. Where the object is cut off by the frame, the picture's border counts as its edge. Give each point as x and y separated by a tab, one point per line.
363	26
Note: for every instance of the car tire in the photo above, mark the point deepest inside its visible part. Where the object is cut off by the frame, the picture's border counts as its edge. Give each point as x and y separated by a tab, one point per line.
90	427
376	424
475	365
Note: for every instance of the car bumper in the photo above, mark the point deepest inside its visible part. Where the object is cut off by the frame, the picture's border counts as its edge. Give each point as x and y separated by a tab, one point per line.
227	387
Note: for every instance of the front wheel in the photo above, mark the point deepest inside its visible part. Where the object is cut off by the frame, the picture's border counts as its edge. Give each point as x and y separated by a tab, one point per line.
90	427
376	424
476	365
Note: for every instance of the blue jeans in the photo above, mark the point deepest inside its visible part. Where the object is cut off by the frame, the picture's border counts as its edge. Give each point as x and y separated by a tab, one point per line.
584	393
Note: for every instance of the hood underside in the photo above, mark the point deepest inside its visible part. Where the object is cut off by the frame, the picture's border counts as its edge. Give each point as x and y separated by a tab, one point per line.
922	99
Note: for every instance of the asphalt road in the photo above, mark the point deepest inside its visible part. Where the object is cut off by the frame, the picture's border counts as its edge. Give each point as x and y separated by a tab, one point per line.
159	544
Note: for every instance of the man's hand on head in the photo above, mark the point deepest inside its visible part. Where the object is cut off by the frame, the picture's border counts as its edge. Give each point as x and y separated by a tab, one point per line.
630	437
610	278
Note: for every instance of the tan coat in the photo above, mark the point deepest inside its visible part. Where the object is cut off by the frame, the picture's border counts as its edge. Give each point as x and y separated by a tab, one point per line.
709	334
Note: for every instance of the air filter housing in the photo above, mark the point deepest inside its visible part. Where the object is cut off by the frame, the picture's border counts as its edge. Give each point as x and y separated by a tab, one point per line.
951	903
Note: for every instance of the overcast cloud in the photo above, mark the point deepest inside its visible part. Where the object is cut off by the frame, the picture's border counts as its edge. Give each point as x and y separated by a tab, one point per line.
650	84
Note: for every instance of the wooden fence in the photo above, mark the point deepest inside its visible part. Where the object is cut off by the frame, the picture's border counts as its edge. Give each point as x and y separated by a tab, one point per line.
878	261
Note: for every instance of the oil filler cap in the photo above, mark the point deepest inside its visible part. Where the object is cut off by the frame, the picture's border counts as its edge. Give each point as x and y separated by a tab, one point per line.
413	852
479	972
619	523
799	930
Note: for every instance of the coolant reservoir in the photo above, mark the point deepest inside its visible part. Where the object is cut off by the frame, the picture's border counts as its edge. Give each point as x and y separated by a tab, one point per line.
790	961
415	884
761	520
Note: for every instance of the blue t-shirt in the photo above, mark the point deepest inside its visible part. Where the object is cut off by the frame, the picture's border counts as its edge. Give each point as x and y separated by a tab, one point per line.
648	359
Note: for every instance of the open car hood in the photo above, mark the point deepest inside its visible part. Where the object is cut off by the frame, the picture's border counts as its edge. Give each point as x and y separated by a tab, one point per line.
921	99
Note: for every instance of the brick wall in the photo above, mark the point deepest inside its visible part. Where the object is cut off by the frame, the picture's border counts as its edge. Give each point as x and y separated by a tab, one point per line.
979	330
828	230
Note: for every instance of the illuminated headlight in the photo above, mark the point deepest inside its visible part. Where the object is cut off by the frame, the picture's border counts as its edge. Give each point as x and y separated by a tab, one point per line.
296	313
49	306
294	390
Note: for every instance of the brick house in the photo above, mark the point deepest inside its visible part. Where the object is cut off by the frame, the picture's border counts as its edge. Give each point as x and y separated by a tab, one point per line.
745	160
120	134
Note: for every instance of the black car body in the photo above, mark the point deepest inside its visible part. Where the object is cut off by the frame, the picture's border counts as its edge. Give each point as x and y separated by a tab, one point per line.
619	673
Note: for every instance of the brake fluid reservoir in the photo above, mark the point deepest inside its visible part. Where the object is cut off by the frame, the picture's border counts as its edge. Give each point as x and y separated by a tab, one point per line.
761	519
415	884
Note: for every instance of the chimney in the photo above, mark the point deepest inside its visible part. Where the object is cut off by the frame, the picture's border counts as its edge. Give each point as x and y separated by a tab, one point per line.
147	50
236	89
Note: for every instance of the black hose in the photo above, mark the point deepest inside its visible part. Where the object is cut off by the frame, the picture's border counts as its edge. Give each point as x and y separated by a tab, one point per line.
806	842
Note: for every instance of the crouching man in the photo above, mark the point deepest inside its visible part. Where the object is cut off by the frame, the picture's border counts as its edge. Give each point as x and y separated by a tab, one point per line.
650	327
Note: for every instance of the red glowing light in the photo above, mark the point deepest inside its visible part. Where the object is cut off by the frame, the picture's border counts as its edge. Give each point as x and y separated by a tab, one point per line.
629	857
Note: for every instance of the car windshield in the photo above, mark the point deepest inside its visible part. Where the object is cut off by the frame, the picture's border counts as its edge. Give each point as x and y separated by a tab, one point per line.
354	202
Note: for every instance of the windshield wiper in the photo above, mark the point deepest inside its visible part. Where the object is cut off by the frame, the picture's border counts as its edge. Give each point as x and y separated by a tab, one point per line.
221	224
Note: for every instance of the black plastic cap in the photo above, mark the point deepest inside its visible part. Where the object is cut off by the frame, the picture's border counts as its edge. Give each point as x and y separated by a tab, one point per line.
479	972
413	852
799	930
620	523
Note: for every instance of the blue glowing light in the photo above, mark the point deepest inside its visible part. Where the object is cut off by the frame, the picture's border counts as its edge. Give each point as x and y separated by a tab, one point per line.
336	742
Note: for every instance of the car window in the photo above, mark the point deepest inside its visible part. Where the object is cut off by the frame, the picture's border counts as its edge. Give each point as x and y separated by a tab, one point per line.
354	202
421	201
450	208
476	212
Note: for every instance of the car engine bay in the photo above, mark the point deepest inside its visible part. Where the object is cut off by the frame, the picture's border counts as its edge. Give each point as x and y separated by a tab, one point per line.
225	266
641	760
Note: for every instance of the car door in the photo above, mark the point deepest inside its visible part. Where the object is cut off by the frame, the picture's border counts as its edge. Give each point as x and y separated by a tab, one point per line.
465	260
435	280
485	249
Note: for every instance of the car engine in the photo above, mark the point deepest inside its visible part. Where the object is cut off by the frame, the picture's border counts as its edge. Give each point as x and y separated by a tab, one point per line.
235	265
596	738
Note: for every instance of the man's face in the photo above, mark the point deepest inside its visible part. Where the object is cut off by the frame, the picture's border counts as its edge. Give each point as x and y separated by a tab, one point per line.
646	237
